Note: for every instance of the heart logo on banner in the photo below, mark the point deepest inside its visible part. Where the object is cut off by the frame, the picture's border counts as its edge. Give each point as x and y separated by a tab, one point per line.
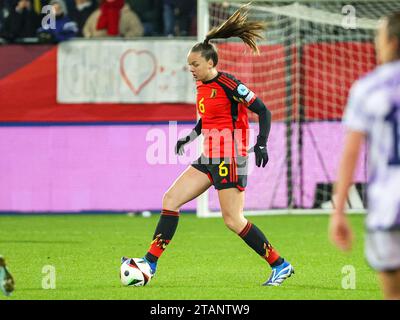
129	80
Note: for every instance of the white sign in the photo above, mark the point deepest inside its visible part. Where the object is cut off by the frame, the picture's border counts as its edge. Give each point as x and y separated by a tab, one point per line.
118	71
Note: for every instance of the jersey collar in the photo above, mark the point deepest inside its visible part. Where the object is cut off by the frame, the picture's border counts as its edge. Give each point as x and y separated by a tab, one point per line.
213	79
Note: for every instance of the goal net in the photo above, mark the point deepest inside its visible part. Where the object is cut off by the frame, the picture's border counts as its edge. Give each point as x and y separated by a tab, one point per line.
312	53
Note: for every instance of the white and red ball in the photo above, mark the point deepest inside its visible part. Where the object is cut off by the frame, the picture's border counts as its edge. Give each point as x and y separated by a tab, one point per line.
135	272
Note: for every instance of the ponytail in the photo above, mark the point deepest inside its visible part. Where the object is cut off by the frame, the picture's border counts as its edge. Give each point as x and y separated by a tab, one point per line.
237	25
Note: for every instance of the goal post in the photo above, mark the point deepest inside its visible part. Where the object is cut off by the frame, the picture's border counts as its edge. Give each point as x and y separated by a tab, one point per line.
311	54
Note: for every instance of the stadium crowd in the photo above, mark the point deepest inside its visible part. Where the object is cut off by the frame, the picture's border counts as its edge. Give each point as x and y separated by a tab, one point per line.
21	19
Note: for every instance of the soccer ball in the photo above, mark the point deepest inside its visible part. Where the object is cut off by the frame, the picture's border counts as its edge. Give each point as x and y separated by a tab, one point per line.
135	272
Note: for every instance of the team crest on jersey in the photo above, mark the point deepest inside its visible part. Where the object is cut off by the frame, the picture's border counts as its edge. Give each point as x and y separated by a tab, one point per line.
213	93
242	89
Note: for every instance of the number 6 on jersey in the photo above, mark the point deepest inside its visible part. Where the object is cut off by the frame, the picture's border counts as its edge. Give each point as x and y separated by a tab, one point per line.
202	107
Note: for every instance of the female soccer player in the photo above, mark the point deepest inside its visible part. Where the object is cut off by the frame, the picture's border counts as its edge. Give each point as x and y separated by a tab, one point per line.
222	103
373	112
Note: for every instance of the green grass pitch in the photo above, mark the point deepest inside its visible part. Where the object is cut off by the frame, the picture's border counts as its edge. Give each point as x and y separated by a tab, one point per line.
204	261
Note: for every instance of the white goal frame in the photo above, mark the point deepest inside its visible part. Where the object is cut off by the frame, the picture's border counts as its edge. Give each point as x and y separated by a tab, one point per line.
203	25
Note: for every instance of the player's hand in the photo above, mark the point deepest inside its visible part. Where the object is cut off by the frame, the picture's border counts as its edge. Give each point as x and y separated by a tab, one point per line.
179	150
261	154
340	232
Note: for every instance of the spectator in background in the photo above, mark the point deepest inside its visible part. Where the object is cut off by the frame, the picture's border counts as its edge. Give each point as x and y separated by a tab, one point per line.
39	4
3	13
185	13
178	16
70	6
150	14
21	22
169	17
64	27
114	18
81	12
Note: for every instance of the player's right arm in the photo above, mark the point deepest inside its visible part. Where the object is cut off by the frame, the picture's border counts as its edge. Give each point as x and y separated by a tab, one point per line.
179	149
355	121
340	231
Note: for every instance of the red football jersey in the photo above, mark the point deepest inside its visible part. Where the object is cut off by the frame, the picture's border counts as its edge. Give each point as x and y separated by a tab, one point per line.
222	105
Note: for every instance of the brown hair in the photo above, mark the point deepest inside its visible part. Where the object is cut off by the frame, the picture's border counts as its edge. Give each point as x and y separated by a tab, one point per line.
237	25
393	28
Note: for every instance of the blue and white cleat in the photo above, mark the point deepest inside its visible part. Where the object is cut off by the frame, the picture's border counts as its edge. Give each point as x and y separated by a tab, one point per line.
153	266
279	274
6	280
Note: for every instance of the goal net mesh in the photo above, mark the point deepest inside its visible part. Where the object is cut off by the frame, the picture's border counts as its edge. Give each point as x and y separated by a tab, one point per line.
311	54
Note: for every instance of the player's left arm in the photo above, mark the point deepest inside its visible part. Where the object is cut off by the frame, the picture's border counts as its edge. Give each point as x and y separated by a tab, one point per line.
264	123
352	147
255	104
264	120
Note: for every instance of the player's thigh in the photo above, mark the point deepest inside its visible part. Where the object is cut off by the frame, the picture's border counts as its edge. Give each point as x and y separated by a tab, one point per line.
390	282
232	202
189	185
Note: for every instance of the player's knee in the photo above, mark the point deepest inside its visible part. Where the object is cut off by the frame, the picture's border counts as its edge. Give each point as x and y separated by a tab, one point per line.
231	223
170	201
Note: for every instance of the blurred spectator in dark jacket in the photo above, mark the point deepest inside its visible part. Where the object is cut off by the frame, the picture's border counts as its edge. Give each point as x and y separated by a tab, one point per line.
178	16
64	29
21	22
5	8
185	13
150	14
4	12
169	17
70	5
81	12
114	18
